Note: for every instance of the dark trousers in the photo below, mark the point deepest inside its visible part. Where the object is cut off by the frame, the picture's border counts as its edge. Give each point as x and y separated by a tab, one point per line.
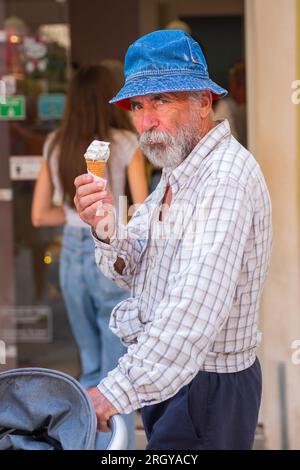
214	411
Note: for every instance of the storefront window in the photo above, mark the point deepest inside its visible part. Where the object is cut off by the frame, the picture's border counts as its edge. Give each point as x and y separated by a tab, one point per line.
37	48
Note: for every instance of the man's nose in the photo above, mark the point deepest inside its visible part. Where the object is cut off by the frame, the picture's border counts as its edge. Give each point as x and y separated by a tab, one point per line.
149	121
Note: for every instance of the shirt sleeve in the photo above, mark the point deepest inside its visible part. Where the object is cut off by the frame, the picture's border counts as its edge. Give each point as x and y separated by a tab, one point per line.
124	145
47	144
106	256
130	146
170	351
128	244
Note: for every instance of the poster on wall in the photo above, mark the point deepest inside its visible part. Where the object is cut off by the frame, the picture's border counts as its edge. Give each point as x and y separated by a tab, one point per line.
13	108
51	106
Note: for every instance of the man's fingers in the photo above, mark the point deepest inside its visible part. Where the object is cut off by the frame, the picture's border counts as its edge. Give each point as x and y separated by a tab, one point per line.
90	212
90	188
90	197
86	201
103	425
83	179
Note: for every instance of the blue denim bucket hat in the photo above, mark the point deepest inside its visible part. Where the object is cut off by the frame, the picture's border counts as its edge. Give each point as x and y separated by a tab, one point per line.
165	61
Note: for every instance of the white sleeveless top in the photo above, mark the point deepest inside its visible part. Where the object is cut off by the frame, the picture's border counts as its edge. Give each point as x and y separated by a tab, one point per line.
123	145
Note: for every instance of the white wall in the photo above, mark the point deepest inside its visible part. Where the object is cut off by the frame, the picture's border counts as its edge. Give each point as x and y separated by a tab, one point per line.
272	120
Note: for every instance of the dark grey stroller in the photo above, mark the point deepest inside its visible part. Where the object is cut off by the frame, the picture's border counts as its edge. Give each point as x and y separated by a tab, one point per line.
43	409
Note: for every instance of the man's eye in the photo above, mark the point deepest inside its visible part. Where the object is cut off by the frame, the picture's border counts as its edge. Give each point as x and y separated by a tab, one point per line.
160	100
135	106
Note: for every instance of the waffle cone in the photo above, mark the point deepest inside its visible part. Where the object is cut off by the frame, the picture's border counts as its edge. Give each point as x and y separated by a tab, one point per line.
97	168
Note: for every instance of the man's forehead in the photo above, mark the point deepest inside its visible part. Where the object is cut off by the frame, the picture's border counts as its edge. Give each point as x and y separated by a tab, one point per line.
153	96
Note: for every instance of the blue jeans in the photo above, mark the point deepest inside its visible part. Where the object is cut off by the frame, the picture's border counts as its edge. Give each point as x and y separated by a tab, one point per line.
90	297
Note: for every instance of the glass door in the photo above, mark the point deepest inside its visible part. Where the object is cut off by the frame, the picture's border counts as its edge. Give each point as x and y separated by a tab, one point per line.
37	46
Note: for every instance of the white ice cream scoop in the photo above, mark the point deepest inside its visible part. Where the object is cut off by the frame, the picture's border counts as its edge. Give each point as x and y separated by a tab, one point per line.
98	150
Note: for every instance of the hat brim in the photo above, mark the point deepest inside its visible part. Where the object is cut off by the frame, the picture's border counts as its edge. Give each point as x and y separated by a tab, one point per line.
142	85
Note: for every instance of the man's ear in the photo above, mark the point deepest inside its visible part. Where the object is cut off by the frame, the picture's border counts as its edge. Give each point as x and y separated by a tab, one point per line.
205	103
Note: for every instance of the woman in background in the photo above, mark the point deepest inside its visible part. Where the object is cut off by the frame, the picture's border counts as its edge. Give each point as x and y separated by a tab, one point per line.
89	296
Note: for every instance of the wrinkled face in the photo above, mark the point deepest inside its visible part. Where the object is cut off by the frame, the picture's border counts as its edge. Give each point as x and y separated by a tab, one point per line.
168	125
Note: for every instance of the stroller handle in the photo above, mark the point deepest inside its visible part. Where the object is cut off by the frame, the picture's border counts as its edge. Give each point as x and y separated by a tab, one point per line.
119	437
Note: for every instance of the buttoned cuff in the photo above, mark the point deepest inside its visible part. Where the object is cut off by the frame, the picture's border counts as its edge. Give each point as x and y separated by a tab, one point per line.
101	244
119	391
108	250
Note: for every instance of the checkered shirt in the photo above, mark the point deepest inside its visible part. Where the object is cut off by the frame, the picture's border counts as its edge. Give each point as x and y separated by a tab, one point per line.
196	278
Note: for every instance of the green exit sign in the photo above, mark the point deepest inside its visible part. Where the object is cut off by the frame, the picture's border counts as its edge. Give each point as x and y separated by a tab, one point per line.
14	108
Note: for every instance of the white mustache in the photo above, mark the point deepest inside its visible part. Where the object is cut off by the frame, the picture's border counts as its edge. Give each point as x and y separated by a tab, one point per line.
156	137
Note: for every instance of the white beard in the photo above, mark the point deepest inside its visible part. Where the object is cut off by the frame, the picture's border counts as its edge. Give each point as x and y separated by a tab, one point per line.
166	151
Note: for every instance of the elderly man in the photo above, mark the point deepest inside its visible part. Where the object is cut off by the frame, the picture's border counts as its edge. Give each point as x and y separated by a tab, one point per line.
195	256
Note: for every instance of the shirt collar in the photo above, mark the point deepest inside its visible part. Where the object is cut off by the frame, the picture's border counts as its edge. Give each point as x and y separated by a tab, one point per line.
179	176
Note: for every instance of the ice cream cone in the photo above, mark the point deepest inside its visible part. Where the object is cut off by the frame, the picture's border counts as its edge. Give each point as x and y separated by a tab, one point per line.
96	167
96	157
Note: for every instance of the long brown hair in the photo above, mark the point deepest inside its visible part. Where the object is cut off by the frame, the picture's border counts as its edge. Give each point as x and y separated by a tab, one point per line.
87	116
